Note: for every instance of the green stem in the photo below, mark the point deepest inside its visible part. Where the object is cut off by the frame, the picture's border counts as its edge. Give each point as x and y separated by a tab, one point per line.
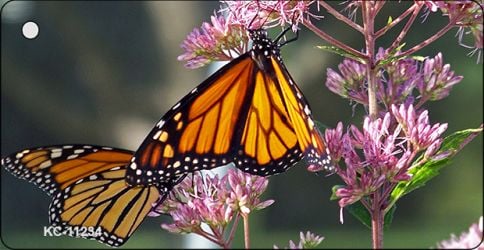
369	33
428	41
387	27
211	238
333	41
245	217
377	227
233	229
405	29
340	17
369	11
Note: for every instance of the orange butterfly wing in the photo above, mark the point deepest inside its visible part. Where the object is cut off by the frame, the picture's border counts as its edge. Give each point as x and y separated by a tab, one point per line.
249	112
91	197
103	206
54	168
309	137
199	131
279	129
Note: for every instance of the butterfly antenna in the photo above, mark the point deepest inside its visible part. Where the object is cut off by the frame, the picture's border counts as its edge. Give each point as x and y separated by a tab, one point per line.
287	41
285	31
249	27
268	15
257	15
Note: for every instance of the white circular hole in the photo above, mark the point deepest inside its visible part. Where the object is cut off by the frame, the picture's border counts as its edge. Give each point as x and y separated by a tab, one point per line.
30	30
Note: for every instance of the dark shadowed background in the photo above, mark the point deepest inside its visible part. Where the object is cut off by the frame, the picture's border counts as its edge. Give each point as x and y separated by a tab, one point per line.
104	73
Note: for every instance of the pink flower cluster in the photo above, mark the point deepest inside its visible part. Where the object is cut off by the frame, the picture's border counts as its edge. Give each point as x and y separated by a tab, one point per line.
471	239
396	81
467	15
306	241
268	14
226	36
214	201
380	154
219	41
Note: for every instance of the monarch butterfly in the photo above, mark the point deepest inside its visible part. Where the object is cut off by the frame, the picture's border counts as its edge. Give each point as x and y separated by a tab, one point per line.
91	197
249	112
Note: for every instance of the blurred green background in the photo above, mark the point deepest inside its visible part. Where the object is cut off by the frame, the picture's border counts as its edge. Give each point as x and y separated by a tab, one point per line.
104	73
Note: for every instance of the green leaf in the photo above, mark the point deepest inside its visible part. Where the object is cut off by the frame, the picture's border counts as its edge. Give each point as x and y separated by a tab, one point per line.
389	217
459	139
397	49
424	172
390	20
421	173
391	56
342	53
419	58
359	211
333	193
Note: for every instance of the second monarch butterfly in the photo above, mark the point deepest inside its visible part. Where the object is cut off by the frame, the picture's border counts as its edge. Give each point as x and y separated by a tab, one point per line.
250	112
91	198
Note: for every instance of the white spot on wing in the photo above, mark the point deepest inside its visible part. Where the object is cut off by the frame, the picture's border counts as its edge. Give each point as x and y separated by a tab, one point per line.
55	154
45	164
72	156
306	110
157	135
78	151
160	123
176	106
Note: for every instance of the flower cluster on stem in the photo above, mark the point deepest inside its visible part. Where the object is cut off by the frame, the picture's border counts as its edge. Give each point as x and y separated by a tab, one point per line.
219	41
472	239
306	241
402	81
226	37
380	154
217	202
